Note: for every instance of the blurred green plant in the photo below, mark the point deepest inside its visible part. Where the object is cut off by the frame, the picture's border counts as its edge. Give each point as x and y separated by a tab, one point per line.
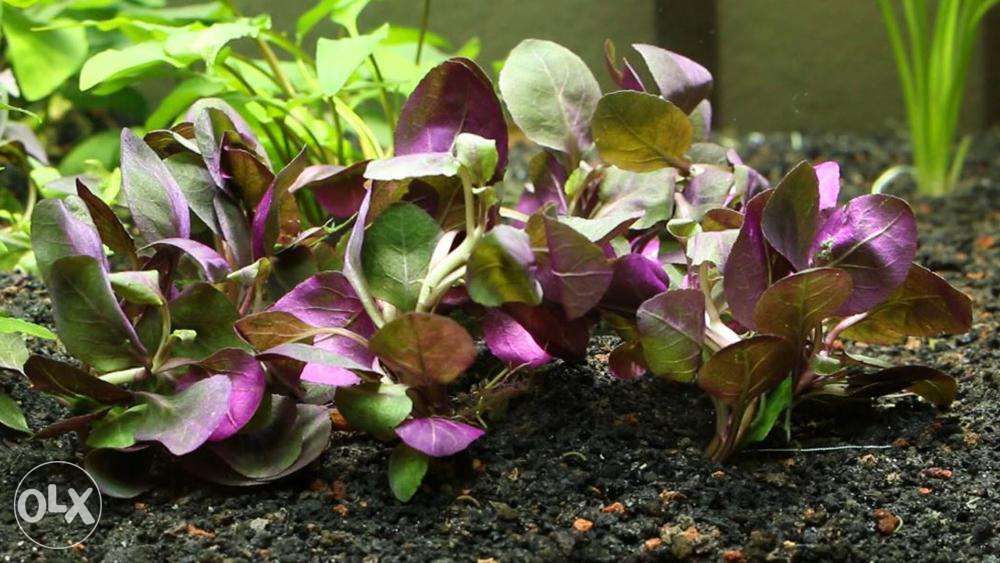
337	96
933	61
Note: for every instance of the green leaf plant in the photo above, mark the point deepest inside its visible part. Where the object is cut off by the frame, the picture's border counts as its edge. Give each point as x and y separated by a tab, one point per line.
933	53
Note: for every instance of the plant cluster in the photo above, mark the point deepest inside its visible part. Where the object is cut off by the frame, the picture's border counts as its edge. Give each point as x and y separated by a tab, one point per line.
222	328
78	66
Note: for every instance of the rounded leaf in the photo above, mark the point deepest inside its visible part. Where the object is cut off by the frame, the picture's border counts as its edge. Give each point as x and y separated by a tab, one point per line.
742	371
551	94
795	305
641	132
437	437
424	349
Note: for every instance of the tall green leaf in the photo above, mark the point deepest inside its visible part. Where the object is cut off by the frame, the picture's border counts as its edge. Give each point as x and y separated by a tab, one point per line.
396	253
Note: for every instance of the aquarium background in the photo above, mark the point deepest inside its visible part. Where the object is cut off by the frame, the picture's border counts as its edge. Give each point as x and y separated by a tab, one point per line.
780	65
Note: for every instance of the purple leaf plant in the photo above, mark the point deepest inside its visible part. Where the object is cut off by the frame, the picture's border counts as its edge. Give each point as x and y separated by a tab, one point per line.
231	322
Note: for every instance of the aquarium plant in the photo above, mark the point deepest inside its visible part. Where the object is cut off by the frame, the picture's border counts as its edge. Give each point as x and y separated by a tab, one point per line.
338	96
933	53
238	316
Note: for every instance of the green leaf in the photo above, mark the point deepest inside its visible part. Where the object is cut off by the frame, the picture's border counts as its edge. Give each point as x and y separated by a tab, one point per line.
141	288
671	328
117	428
13	351
11	415
337	59
10	324
42	60
407	468
205	310
102	147
740	372
795	305
777	401
424	349
375	408
113	69
551	94
477	155
648	196
180	99
396	253
640	132
88	319
925	305
497	270
206	43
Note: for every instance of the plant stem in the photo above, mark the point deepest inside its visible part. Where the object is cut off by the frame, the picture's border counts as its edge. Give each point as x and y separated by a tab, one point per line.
124	376
424	20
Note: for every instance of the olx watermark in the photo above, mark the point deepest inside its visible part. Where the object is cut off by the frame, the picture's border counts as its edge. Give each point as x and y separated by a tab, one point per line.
57	505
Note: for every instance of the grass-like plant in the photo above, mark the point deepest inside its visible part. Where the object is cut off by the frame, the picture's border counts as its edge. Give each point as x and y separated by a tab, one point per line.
933	61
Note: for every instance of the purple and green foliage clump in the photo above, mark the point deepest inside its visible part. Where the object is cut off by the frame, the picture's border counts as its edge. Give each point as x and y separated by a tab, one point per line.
245	303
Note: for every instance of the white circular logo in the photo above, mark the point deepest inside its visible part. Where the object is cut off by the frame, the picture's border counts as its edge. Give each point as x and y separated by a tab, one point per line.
57	505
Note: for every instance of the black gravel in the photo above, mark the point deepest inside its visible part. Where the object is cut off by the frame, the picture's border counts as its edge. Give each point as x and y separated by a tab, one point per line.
623	456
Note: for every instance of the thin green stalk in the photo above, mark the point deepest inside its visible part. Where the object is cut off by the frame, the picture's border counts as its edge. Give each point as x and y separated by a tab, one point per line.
424	20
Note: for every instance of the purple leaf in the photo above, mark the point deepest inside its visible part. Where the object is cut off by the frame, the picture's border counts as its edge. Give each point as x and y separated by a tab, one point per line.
454	97
548	328
636	278
874	238
277	212
749	257
246	377
828	176
511	341
626	361
212	118
548	176
925	305
791	215
108	225
680	80
437	437
184	421
328	300
336	376
338	190
63	228
352	254
324	300
573	271
212	265
156	201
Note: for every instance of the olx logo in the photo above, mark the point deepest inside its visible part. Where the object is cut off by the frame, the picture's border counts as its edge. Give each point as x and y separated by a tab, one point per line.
57	505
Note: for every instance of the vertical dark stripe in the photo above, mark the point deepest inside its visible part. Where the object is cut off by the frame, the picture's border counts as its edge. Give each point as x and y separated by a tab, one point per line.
689	28
991	68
